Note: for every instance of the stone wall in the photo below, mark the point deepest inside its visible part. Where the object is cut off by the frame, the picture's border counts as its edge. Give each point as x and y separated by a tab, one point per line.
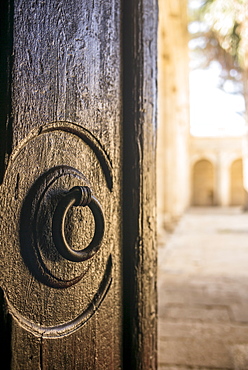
224	154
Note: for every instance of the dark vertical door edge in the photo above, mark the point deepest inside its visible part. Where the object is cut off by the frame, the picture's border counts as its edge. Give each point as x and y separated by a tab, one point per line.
5	333
139	142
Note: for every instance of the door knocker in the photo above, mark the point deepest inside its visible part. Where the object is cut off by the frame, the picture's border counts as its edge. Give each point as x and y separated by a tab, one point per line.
77	196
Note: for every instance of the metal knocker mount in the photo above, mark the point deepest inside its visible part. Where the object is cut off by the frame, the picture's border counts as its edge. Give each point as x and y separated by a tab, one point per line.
77	196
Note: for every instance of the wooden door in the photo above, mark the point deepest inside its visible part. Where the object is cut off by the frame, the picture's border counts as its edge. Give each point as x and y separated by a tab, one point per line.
78	125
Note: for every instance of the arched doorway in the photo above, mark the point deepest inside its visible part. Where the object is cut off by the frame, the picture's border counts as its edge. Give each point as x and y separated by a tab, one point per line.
237	188
203	183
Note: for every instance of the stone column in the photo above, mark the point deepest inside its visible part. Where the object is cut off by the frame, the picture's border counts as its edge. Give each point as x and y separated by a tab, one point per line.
222	181
173	112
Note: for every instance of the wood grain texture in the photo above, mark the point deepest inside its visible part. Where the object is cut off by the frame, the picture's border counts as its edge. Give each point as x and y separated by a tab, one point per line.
6	60
77	69
67	57
65	79
139	213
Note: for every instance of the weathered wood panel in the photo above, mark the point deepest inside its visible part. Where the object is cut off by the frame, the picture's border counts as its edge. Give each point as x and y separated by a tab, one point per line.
139	250
66	131
6	42
70	63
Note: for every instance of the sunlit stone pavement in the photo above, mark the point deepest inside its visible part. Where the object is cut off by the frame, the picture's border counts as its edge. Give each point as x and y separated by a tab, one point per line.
203	292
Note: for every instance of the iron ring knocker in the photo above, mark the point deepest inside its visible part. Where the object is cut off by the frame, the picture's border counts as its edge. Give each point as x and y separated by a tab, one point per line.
77	196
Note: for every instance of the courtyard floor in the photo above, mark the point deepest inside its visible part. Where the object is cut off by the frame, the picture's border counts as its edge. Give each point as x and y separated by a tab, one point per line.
203	292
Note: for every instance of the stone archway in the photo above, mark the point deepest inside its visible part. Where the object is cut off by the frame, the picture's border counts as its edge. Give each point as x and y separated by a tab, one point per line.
203	183
237	189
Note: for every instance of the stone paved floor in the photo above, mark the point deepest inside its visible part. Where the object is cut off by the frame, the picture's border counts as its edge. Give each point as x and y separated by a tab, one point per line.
203	292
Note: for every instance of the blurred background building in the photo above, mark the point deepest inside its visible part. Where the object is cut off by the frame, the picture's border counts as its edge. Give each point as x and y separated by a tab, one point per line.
202	135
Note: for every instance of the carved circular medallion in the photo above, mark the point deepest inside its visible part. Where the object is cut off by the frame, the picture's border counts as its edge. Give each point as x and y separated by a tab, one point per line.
48	294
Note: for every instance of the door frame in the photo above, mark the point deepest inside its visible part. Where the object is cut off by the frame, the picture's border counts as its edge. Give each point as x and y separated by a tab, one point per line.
139	184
